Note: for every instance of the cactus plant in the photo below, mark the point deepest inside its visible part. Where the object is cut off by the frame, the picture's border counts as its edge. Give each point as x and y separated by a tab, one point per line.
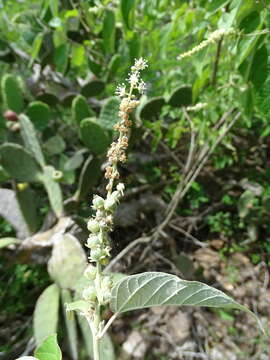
12	93
151	108
48	98
93	88
93	136
39	113
19	163
109	113
53	190
80	109
27	202
182	96
30	139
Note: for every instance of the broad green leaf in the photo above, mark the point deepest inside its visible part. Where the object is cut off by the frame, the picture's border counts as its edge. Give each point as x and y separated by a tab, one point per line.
55	145
39	113
68	262
80	109
259	67
46	313
108	32
49	349
28	205
161	289
109	113
4	242
30	139
88	178
19	163
127	7
12	93
71	325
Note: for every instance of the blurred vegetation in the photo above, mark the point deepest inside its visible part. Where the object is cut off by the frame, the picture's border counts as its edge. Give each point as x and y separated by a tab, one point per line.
60	63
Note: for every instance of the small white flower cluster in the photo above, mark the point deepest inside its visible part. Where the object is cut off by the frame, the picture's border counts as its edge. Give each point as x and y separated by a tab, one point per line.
196	107
104	290
134	79
215	36
101	223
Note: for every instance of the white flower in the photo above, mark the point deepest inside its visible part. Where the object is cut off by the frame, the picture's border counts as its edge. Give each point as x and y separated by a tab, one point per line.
142	87
120	187
140	64
121	90
133	79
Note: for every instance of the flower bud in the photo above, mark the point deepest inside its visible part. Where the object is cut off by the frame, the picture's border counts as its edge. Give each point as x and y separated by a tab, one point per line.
110	203
98	202
92	242
93	226
106	297
90	272
57	175
97	254
106	283
89	294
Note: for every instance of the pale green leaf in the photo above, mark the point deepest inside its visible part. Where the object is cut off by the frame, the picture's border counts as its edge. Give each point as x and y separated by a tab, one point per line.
161	289
68	262
71	325
46	313
49	349
4	242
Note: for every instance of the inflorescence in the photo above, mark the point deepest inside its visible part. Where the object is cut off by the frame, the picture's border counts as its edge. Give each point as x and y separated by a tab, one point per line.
102	222
213	37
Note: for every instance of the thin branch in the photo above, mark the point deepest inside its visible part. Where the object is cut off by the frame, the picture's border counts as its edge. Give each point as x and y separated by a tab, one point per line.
215	69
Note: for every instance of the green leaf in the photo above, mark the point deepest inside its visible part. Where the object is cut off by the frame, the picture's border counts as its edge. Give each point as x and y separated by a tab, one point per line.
55	145
93	88
68	262
60	57
78	55
182	96
108	32
12	93
19	163
80	305
4	242
89	176
36	48
54	7
46	313
93	136
259	67
39	114
80	109
109	113
49	349
28	205
71	325
127	9
30	139
151	109
53	190
161	289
